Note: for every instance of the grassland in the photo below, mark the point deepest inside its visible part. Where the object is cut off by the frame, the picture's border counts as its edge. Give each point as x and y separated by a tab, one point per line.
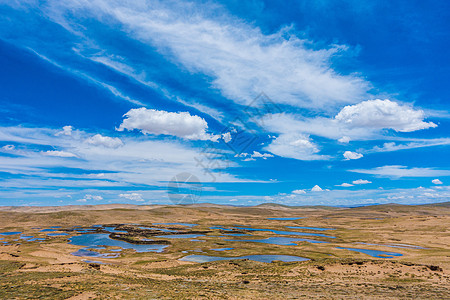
47	270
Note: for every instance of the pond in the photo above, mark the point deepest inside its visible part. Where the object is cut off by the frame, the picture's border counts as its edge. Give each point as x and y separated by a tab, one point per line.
10	233
374	253
259	258
113	229
222	249
95	240
94	262
88	253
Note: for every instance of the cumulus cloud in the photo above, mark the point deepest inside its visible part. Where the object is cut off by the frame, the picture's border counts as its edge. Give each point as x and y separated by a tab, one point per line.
58	153
345	184
67	130
316	188
344	139
180	124
436	181
403	171
361	181
256	154
132	196
379	114
105	141
352	155
295	146
226	137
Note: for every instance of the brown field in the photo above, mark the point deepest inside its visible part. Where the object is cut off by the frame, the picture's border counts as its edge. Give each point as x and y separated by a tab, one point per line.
48	270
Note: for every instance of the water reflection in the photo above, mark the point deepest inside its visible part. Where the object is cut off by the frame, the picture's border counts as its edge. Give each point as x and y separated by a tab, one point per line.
93	241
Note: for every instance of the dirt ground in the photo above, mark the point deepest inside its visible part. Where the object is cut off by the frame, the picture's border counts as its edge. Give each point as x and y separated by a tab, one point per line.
48	270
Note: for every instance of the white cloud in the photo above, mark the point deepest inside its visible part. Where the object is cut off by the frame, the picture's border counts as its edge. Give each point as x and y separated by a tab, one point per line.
67	130
344	139
403	171
436	181
345	184
352	155
140	160
58	153
338	129
8	147
181	124
226	137
241	60
379	114
418	143
256	154
93	197
316	188
299	192
295	146
361	181
132	196
105	141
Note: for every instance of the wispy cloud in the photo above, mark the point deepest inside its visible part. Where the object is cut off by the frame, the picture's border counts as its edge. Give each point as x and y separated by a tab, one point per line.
136	161
403	171
240	59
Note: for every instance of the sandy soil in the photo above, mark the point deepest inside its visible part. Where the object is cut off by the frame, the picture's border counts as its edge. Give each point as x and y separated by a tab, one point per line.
32	270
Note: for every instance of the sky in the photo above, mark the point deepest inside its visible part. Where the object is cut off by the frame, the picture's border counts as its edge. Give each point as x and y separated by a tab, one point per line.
295	102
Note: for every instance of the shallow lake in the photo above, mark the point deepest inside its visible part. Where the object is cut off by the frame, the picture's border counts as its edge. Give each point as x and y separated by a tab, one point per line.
113	230
48	230
374	253
10	233
260	258
91	241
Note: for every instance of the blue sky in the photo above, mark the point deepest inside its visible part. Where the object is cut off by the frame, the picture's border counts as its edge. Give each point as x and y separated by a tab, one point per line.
293	102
